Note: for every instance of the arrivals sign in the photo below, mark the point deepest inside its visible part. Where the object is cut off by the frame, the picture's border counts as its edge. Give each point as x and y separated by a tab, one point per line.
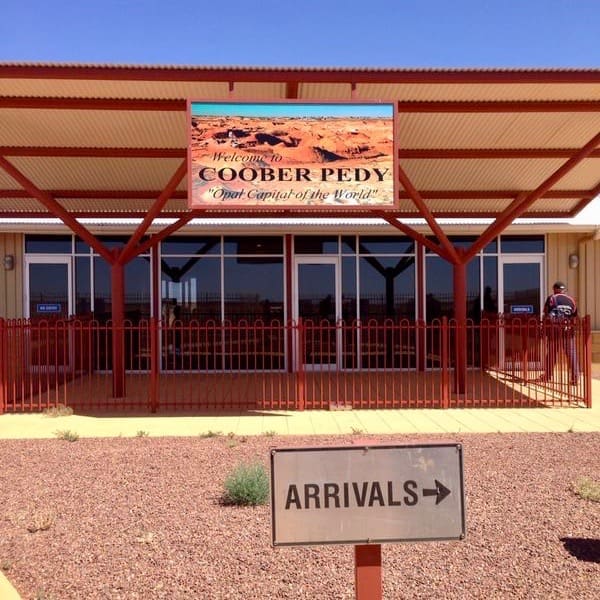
290	155
367	494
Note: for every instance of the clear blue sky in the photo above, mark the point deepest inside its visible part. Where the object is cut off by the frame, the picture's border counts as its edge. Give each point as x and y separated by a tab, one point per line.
341	33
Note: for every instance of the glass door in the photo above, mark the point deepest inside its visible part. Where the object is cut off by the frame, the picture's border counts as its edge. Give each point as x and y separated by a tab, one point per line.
521	297
48	298
318	306
520	287
48	285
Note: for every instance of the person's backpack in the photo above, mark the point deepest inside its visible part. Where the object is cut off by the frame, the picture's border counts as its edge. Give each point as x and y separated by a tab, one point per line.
560	310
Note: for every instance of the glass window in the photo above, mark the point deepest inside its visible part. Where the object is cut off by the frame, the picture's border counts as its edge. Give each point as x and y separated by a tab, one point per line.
102	290
194	284
387	288
458	241
349	289
197	245
113	241
313	244
490	284
137	289
522	244
81	247
254	245
439	296
492	247
48	244
348	244
385	245
253	289
83	278
117	241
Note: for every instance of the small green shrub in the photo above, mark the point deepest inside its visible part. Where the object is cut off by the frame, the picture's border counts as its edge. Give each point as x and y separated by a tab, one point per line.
60	410
67	435
210	434
142	433
270	433
587	488
247	485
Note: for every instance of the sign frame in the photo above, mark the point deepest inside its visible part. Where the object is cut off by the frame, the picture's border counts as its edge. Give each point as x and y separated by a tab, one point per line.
439	489
522	309
301	208
48	307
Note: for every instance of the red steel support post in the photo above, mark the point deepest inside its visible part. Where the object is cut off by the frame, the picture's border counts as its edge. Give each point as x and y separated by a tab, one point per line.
301	332
154	331
367	570
421	329
2	367
154	364
460	316
445	363
587	367
118	333
289	311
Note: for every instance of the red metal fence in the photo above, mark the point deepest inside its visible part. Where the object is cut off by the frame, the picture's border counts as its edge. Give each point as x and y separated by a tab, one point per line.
214	366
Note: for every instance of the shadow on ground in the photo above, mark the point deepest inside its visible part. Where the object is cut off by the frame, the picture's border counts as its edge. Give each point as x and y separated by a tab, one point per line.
586	549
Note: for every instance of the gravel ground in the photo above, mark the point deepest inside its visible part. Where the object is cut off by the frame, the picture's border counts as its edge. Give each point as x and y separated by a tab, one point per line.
141	518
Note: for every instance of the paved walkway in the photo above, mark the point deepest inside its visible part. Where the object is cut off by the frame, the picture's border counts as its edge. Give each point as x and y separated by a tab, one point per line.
410	421
481	420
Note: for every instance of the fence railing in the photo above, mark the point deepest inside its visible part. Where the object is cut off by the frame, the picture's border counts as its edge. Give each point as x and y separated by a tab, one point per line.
223	366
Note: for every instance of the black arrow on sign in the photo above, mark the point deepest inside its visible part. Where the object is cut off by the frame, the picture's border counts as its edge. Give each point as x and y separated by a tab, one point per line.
441	491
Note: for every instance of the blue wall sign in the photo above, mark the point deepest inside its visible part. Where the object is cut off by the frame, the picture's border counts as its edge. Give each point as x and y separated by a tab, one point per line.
521	309
48	308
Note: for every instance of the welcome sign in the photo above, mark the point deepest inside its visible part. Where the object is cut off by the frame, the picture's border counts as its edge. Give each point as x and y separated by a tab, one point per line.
290	155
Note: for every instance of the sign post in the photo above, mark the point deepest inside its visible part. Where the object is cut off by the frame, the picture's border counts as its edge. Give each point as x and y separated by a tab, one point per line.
365	496
367	572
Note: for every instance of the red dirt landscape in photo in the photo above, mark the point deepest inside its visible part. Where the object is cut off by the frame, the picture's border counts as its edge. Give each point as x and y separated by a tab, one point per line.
284	162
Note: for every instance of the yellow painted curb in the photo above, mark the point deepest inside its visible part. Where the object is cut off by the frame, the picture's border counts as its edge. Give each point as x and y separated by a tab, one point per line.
7	591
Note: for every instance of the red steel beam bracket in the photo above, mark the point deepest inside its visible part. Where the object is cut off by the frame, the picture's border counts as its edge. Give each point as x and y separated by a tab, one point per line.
426	213
91	152
520	205
477	153
497	106
291	90
307	74
415	235
164	233
134	104
56	209
129	251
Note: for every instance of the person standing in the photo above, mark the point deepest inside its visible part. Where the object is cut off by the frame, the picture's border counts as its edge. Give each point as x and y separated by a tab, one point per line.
559	311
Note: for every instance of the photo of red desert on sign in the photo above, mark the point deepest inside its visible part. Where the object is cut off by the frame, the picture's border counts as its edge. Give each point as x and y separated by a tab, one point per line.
291	155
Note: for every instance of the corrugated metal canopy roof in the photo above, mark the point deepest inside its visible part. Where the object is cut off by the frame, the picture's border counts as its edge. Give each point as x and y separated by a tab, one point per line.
104	140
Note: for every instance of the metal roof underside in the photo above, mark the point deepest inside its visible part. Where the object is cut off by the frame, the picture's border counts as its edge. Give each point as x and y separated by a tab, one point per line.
104	141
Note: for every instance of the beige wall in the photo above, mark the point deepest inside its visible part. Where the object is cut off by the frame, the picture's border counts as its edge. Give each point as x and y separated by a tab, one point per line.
589	278
11	282
584	281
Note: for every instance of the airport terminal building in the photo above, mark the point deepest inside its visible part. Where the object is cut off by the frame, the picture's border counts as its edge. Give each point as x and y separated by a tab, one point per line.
231	239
